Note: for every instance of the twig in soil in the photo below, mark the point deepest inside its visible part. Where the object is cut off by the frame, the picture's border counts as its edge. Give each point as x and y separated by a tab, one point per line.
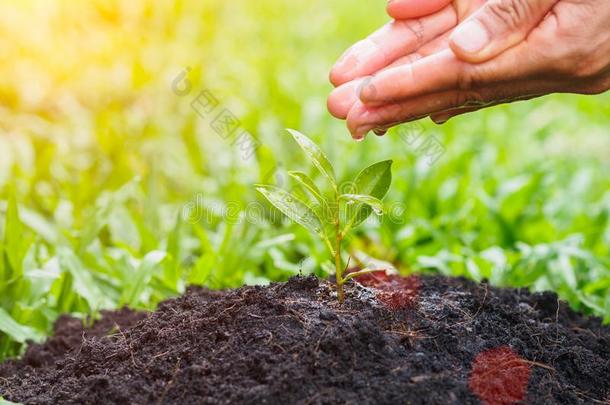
279	347
128	344
156	356
319	340
597	401
222	349
419	378
519	362
298	316
411	334
557	322
288	332
482	303
80	348
317	349
471	318
169	384
541	365
256	316
589	331
227	309
8	392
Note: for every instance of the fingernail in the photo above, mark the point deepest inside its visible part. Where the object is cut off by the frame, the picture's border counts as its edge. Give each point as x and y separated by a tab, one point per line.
367	91
380	131
357	55
471	37
361	132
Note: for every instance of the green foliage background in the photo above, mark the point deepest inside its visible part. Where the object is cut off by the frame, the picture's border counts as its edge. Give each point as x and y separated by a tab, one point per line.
99	158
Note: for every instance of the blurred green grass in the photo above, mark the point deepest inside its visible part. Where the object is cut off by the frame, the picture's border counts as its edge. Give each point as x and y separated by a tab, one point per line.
100	157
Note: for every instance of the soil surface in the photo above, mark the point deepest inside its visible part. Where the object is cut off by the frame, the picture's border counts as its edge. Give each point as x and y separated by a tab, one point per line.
428	340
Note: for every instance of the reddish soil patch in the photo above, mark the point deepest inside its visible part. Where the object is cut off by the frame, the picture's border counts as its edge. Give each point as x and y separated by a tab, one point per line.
457	342
499	376
392	290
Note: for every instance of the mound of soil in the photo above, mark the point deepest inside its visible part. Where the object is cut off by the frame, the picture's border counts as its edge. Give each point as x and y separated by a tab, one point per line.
68	335
428	340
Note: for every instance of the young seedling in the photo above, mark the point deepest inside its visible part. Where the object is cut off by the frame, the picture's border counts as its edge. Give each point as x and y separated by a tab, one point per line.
332	216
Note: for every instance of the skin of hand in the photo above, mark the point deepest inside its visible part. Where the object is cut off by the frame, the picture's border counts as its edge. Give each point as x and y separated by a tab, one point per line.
443	58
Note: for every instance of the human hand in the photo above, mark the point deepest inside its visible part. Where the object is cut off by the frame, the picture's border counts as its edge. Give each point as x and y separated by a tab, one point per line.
431	66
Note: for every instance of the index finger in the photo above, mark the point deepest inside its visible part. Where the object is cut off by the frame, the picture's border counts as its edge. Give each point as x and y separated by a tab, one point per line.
437	72
392	41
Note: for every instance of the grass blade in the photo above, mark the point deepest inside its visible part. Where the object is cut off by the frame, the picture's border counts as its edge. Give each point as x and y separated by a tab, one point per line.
19	333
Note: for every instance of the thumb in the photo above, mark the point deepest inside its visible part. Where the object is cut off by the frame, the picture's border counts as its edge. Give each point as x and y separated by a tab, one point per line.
497	26
405	9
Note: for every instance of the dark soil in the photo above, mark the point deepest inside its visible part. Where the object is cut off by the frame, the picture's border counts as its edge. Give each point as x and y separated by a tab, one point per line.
69	334
431	340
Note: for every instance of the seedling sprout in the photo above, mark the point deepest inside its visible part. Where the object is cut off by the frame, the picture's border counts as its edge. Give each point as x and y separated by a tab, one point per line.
332	215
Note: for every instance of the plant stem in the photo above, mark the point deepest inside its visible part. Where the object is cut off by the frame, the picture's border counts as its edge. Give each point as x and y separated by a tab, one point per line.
339	270
338	266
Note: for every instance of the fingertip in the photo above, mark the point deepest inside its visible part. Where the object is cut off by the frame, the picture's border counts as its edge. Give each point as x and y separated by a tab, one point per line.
358	121
340	71
363	58
341	100
396	10
335	77
440	119
359	138
405	9
351	120
360	133
470	42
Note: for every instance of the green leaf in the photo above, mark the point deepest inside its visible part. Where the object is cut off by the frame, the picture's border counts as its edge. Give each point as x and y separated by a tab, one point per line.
315	154
40	225
308	183
200	274
374	203
373	181
104	208
85	284
171	274
147	268
14	241
19	333
292	207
